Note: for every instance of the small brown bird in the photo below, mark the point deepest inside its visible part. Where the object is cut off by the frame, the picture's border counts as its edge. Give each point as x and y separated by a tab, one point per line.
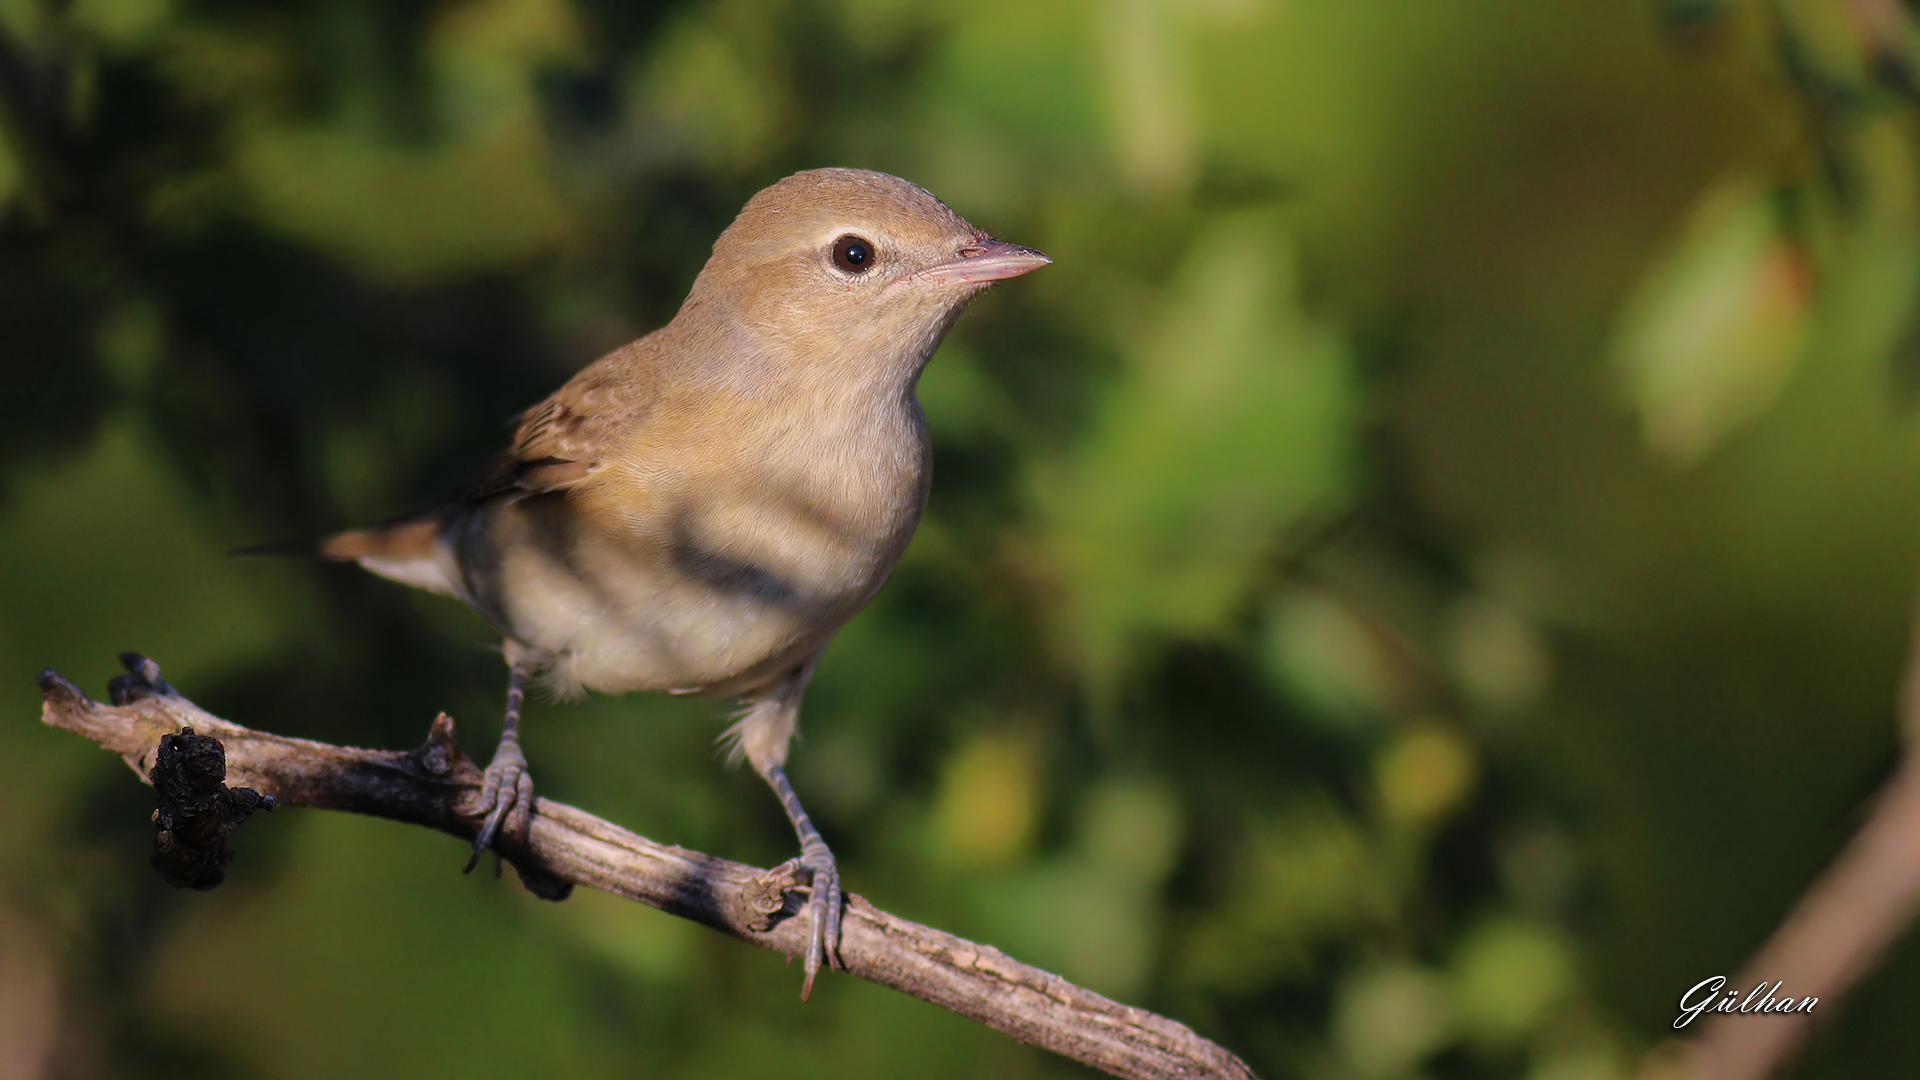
699	511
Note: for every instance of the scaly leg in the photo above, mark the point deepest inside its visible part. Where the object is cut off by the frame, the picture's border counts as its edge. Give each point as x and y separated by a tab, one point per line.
506	788
762	734
823	900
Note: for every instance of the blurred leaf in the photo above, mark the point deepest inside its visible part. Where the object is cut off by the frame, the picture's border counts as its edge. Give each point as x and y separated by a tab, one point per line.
988	804
715	80
1508	977
24	19
1329	658
1540	865
1092	913
130	342
879	25
1230	426
1075	918
487	53
1132	829
406	214
645	943
1497	655
1853	53
1713	330
246	73
957	399
1424	775
123	23
1310	874
1148	94
108	552
481	195
1387	1019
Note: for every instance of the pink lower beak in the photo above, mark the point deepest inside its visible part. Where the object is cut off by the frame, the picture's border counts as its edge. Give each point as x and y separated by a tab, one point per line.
986	260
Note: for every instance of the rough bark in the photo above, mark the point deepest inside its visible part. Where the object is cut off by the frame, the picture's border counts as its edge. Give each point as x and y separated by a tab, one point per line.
435	785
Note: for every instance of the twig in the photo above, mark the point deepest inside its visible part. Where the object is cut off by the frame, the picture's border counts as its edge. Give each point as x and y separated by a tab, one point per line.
1836	933
435	786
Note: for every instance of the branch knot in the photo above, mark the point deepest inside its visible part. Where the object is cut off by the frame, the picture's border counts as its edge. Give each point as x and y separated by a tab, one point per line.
196	811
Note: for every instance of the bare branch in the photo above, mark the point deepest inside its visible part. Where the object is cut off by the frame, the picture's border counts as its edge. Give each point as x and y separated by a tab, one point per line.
1838	931
435	785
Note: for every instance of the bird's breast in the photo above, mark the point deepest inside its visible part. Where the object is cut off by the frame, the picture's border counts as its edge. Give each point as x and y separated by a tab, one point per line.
712	561
813	515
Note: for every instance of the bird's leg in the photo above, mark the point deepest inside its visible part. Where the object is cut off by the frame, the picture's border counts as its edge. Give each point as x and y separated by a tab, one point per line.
761	734
506	787
823	899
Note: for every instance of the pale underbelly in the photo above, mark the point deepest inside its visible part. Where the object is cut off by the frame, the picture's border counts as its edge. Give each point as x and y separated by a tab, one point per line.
677	640
670	616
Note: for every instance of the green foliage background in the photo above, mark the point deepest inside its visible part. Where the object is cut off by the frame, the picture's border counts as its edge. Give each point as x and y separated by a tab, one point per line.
1420	582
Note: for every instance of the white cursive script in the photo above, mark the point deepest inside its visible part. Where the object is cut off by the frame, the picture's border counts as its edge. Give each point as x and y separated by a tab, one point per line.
1760	999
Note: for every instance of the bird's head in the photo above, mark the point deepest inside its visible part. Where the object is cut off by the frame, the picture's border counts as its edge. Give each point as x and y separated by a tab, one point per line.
847	266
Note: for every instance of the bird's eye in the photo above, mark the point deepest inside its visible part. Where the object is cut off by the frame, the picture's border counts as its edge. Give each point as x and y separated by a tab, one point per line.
853	254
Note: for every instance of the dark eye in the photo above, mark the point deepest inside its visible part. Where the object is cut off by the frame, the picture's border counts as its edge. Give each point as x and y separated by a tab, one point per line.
853	254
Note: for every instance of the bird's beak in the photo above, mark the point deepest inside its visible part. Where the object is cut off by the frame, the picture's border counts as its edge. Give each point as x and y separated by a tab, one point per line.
984	261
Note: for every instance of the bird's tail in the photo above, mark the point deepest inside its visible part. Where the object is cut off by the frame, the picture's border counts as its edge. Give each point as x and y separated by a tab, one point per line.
409	551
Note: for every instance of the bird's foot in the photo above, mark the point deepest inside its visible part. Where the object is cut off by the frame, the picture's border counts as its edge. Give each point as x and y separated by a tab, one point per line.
506	798
824	910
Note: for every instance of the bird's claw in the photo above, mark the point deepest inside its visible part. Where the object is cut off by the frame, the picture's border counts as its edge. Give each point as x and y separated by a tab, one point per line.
506	798
824	910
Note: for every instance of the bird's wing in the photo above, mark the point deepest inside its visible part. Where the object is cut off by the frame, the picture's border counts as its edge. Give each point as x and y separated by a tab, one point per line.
559	442
556	445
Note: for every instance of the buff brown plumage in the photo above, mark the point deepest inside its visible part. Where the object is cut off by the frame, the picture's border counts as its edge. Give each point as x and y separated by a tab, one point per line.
699	511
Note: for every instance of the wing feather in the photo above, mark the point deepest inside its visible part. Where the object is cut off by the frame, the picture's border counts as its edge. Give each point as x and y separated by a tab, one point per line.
560	442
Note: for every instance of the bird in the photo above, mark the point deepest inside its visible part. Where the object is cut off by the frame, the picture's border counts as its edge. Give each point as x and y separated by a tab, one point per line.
699	511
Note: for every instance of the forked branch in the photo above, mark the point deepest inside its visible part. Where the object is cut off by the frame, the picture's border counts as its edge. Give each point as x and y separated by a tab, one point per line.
435	785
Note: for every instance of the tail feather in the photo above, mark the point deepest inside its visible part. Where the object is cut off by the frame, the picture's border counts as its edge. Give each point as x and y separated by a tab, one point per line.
403	540
409	552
